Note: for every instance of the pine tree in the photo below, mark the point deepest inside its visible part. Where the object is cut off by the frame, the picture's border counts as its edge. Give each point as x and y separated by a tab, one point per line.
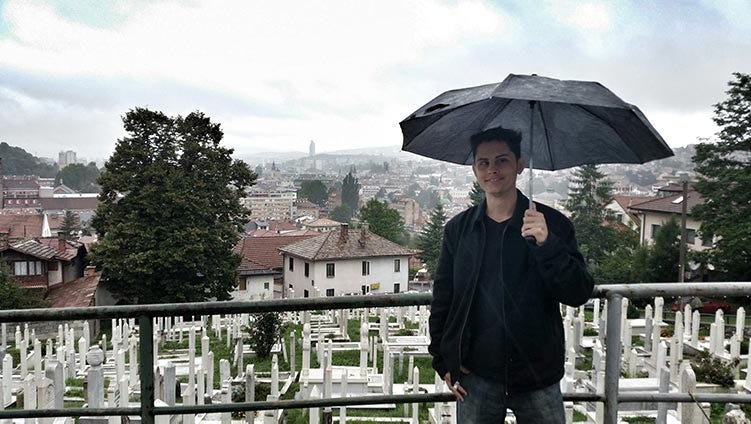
477	194
350	192
589	194
662	261
70	226
724	169
431	238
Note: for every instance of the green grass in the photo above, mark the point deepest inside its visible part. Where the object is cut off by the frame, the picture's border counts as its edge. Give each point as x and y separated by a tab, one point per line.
74	382
585	364
640	420
579	416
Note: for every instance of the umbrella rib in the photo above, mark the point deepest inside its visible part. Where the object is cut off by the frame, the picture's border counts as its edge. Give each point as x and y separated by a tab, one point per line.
638	156
547	137
492	115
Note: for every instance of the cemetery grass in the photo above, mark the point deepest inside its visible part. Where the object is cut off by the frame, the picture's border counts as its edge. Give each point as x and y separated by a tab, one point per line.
579	416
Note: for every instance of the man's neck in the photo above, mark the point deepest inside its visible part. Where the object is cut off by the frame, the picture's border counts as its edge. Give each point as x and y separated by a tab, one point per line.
501	207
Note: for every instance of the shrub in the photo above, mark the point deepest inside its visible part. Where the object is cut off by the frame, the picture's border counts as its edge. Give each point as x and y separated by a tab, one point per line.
264	332
710	369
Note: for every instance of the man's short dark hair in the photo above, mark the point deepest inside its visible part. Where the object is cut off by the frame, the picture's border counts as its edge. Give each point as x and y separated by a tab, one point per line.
512	138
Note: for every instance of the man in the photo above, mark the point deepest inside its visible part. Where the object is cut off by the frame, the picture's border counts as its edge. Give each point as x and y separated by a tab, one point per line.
495	323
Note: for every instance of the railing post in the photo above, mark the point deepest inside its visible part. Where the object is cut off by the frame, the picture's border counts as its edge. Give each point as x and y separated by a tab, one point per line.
146	368
613	358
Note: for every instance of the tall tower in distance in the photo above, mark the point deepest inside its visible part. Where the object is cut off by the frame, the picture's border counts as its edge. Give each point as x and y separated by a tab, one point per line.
312	148
66	158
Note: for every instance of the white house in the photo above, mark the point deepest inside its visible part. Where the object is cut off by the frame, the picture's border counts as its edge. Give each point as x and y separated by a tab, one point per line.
260	271
655	213
345	261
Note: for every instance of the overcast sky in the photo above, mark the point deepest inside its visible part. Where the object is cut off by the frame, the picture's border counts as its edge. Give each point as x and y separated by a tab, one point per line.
277	74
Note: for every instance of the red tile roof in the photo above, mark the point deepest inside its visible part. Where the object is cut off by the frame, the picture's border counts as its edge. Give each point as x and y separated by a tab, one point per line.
666	204
332	245
627	202
23	226
47	248
270	233
69	203
275	225
262	253
77	293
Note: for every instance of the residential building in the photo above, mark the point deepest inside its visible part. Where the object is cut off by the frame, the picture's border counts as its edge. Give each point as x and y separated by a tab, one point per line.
345	261
621	209
44	262
654	213
305	207
410	212
260	272
66	158
20	191
271	204
322	225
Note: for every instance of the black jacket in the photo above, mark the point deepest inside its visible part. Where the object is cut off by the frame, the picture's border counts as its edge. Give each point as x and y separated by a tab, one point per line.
554	273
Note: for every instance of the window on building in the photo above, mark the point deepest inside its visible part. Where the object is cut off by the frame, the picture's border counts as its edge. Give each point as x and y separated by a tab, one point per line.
396	287
243	284
291	264
706	242
365	267
363	288
306	293
330	270
690	236
266	285
655	229
330	292
307	269
397	265
21	268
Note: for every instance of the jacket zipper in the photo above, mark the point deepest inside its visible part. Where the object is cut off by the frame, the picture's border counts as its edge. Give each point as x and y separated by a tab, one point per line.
503	314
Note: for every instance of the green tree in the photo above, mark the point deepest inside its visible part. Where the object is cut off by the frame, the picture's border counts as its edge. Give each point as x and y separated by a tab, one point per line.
589	194
384	221
79	177
170	238
431	238
662	263
350	192
341	214
71	226
428	198
315	191
265	332
724	169
13	296
477	194
17	161
412	190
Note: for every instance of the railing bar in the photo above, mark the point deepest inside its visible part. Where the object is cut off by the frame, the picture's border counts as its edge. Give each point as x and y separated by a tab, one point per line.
213	308
67	412
146	368
643	290
613	358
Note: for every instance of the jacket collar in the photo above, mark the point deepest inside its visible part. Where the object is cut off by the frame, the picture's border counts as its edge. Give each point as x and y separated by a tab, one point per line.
522	203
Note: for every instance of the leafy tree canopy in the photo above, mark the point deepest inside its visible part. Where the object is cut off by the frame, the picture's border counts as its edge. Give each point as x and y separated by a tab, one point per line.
662	263
724	169
71	225
384	221
315	191
17	161
170	238
13	296
431	238
79	177
341	214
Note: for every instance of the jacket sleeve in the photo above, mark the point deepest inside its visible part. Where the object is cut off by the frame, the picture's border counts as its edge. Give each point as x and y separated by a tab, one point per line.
563	268
441	304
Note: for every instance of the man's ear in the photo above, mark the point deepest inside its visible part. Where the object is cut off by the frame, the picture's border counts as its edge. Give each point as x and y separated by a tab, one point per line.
520	165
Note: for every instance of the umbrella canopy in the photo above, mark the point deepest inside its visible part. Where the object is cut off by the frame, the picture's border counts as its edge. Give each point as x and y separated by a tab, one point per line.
572	123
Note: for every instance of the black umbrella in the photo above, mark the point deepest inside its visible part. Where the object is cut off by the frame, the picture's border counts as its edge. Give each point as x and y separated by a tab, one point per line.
572	123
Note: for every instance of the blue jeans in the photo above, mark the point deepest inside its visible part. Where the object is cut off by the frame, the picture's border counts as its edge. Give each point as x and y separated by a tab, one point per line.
486	402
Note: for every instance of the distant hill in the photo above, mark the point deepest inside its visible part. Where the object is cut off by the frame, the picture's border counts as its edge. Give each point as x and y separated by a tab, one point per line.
17	161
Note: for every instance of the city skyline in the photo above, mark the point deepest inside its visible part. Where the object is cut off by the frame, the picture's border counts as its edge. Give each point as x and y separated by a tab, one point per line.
343	74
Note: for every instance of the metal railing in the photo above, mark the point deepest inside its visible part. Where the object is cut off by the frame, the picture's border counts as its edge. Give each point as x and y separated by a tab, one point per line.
145	314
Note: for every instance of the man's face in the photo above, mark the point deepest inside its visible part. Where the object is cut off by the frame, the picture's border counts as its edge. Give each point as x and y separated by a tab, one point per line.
496	168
